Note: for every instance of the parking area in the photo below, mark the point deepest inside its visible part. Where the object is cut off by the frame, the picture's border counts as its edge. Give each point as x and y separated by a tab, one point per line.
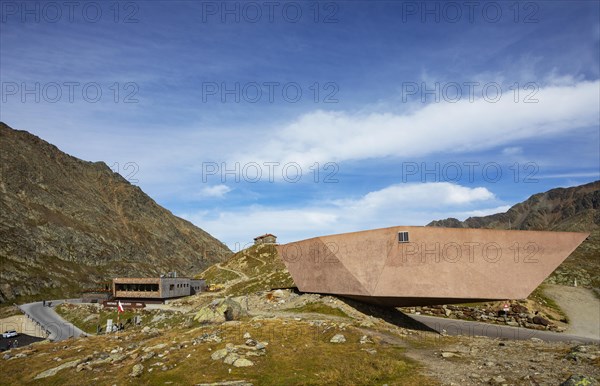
18	341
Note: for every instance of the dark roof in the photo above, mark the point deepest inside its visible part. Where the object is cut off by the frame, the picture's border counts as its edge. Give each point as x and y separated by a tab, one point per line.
263	236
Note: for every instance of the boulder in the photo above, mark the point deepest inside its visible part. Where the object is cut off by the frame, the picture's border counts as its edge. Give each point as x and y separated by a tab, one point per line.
243	362
338	338
576	380
54	370
261	345
148	355
137	370
539	320
365	339
156	347
219	311
447	354
83	366
231	358
219	354
116	358
519	309
207	338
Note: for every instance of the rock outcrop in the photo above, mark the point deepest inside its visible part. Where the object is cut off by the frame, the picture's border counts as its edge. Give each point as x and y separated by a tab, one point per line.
219	311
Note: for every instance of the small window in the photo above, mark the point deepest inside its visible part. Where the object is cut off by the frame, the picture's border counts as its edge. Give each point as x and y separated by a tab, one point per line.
403	237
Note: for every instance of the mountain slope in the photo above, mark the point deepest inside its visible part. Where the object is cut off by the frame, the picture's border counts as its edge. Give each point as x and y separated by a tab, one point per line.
574	209
257	268
67	224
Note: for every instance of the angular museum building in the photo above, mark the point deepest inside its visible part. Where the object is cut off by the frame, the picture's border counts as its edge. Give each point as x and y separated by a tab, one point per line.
413	265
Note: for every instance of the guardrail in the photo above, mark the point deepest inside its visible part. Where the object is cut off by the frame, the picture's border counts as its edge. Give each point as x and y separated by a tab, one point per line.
44	327
33	319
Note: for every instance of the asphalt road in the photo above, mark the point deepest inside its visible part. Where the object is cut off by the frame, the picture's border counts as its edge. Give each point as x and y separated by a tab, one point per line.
467	328
20	341
59	328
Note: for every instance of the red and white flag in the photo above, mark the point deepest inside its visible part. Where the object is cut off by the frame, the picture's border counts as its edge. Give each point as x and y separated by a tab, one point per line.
120	307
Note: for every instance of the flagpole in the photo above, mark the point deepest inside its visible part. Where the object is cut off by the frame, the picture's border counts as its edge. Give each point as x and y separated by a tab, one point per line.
119	310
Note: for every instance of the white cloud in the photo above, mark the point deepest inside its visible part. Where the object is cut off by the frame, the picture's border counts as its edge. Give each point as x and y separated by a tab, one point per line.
419	195
406	204
323	136
215	191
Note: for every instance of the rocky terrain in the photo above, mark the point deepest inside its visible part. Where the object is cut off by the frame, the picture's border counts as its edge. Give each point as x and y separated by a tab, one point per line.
247	333
283	337
67	224
518	315
575	209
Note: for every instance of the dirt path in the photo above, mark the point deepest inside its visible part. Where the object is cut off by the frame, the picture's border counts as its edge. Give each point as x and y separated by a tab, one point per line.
581	306
242	275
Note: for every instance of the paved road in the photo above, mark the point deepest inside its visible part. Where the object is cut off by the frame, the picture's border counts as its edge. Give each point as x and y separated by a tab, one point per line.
467	328
21	341
58	328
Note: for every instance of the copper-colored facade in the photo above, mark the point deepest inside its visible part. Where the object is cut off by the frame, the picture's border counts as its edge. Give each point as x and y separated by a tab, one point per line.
403	266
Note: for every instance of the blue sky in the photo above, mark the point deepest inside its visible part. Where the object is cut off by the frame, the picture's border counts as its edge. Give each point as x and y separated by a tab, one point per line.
394	113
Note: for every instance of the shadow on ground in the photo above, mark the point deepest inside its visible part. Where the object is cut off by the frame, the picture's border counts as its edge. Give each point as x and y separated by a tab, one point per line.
18	341
389	314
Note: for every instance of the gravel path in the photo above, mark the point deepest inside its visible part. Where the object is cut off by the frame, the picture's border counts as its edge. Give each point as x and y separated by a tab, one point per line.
581	306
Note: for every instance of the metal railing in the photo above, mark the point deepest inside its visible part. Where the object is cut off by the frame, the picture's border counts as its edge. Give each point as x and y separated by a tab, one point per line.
34	320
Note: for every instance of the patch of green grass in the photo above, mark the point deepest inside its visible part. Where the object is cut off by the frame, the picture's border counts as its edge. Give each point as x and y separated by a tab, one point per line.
296	354
8	310
80	317
247	287
474	305
319	308
280	279
216	275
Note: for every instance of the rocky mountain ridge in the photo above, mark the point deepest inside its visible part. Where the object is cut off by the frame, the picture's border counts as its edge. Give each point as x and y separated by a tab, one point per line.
68	224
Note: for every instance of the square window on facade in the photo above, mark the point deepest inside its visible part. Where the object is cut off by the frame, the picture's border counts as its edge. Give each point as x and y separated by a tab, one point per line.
403	237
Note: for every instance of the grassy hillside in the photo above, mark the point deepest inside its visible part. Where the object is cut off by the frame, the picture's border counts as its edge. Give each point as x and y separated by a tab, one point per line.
68	224
253	269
